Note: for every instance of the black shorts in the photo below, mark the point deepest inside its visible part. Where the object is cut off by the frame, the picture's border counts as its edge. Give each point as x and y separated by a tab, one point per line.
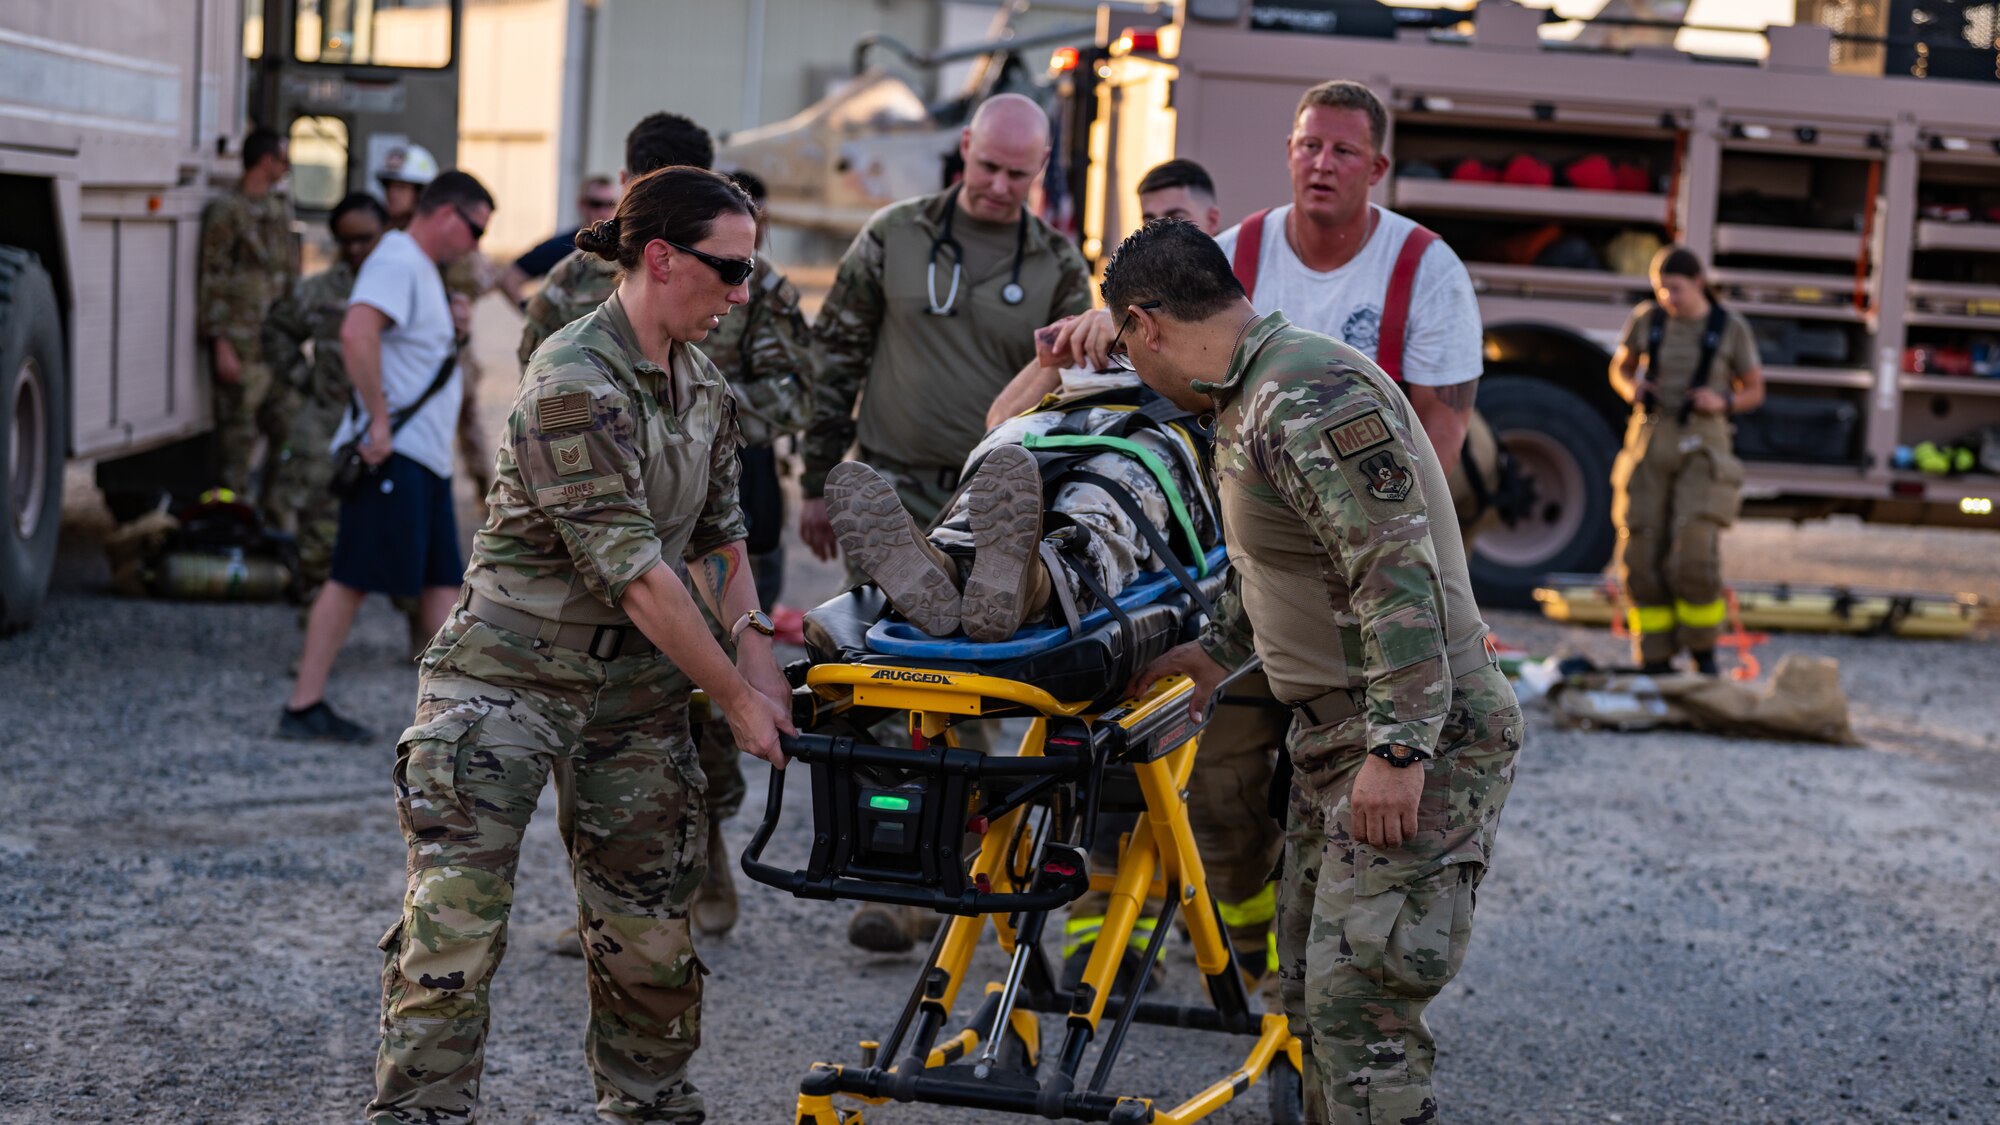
398	534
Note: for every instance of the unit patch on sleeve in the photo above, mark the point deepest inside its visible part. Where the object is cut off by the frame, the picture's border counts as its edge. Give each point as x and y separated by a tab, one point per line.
1388	479
571	454
1357	434
556	413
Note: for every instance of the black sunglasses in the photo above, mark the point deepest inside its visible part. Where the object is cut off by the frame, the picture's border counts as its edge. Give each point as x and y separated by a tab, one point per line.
478	230
732	271
1113	353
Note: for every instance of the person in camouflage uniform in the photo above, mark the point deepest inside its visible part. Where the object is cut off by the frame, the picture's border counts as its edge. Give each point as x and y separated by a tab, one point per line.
245	265
581	282
312	316
577	644
923	364
468	279
1353	591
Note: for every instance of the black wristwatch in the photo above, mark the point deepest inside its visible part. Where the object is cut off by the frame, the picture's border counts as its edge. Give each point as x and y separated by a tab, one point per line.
1398	756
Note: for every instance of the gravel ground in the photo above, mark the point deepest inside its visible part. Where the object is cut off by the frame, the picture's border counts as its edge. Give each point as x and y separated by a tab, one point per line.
1678	928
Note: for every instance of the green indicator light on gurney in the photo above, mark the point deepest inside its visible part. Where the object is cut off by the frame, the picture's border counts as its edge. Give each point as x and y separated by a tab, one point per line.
893	804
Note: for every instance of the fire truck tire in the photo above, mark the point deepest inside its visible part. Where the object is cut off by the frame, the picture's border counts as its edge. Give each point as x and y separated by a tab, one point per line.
1564	448
33	382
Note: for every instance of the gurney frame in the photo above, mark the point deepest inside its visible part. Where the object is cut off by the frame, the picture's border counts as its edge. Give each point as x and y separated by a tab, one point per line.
1034	814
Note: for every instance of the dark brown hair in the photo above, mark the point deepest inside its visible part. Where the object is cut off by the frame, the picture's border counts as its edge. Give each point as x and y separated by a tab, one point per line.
1680	261
677	204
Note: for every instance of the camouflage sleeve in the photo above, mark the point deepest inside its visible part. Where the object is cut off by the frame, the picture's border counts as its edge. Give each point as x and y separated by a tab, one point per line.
577	455
775	381
1227	637
1347	470
722	521
1073	290
543	317
286	330
214	313
845	335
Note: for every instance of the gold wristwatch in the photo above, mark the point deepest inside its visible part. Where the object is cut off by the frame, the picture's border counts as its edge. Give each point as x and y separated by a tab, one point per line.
755	619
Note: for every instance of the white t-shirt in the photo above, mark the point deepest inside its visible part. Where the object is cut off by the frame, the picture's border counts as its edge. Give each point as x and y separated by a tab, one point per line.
402	282
1441	340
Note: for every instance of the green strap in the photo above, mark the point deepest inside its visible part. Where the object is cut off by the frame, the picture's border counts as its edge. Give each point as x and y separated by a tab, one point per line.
1145	457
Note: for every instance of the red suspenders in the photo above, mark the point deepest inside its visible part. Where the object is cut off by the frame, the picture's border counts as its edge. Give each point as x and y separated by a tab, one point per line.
1395	304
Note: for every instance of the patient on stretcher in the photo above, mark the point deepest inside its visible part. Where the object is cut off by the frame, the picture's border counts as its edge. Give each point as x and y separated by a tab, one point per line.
1059	509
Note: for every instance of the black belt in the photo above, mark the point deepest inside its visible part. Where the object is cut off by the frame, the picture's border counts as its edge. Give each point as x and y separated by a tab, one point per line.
605	642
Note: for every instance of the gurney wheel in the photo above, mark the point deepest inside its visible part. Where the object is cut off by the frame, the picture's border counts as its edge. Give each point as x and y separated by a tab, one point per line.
1286	1093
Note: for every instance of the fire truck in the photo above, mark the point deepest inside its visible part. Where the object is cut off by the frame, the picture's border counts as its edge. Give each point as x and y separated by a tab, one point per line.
119	119
1841	176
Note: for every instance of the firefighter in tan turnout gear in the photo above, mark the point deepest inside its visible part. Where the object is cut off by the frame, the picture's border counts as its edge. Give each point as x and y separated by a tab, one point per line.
1685	364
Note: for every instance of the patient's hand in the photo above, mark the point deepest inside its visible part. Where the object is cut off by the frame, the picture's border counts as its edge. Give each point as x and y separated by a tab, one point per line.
1086	340
1190	660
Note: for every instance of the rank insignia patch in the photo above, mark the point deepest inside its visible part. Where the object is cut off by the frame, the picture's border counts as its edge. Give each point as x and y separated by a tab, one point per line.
1358	434
571	455
1388	478
556	413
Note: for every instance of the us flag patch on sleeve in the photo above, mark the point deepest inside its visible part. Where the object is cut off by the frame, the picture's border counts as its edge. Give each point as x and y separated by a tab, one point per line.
556	413
1357	435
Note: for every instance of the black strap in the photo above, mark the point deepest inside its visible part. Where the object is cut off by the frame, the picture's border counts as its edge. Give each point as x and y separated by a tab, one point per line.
1104	598
398	417
1711	342
1162	550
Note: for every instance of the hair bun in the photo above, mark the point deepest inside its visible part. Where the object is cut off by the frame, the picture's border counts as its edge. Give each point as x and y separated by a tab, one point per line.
600	238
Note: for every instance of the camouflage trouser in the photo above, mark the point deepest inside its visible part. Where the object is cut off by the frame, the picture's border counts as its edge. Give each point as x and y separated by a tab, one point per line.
301	487
1675	488
721	760
251	406
472	449
494	719
1368	936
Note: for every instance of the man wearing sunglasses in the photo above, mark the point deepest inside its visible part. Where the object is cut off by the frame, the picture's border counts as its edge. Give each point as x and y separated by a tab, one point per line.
597	201
1353	591
397	533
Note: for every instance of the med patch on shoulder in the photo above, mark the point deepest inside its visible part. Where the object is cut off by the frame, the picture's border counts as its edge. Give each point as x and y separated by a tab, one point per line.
555	414
1357	435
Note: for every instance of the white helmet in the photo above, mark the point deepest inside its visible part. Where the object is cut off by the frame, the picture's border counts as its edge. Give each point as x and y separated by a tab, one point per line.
412	164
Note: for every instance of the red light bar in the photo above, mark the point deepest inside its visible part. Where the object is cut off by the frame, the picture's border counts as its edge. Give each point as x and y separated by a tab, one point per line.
1064	59
1132	39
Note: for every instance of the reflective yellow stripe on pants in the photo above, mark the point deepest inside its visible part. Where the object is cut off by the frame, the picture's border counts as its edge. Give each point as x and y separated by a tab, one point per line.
1253	911
1081	932
1707	615
1644	619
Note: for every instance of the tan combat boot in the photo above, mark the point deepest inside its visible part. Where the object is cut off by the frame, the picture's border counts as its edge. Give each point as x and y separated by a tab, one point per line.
880	539
1008	582
881	928
713	910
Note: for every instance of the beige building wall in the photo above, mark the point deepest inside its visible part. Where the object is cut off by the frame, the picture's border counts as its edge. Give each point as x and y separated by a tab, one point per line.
511	115
696	57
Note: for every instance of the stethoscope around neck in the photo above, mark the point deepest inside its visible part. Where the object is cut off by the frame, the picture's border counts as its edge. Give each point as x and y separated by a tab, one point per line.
1012	293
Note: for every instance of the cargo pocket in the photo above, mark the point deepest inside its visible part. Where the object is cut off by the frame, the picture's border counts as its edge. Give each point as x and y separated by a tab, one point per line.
1409	934
1722	499
429	764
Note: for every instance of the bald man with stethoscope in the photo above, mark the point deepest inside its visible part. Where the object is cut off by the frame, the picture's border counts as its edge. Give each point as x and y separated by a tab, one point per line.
934	310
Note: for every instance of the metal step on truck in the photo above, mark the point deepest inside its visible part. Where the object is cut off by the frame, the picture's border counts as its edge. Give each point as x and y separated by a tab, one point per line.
119	120
1841	175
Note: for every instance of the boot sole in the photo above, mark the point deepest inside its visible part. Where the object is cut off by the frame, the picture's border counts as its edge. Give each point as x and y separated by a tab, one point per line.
880	539
1004	509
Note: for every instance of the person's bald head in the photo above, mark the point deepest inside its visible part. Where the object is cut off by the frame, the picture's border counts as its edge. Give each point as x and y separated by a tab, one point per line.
1004	148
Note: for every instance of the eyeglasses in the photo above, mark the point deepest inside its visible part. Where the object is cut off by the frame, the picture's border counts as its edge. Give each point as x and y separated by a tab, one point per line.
732	271
1116	354
599	204
478	229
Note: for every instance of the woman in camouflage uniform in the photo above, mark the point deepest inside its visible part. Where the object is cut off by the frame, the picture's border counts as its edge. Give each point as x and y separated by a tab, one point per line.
573	653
